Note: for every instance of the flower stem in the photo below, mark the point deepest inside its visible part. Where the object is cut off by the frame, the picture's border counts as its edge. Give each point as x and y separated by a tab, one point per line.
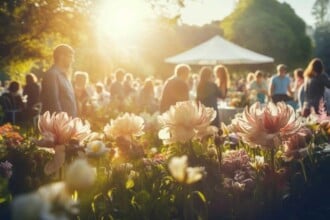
303	169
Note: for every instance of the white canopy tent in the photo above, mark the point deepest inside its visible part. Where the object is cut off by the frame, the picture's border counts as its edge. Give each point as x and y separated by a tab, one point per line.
219	51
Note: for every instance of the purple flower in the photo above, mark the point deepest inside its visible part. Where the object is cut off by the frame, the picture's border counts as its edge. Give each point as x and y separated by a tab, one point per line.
6	169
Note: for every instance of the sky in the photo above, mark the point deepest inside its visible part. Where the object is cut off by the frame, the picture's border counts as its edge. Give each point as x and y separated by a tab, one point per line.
204	11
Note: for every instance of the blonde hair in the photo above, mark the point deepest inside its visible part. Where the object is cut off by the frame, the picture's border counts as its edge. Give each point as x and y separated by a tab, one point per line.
222	75
280	67
181	69
250	77
314	68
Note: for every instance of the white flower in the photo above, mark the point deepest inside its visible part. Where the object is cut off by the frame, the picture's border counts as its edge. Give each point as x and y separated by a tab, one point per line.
96	148
185	121
150	120
128	126
51	202
259	162
80	175
179	169
27	206
194	174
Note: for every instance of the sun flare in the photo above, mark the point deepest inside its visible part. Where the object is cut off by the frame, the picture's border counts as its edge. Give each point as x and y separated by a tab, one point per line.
123	21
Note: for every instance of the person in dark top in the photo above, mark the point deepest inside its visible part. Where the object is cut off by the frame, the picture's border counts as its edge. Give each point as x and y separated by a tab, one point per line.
208	92
32	91
117	88
57	94
315	82
12	103
176	88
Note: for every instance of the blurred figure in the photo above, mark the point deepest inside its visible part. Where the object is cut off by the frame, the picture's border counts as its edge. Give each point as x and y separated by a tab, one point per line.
280	85
82	92
298	83
158	87
315	82
147	99
108	83
12	103
260	86
128	85
117	88
208	92
175	88
249	79
102	96
57	94
223	80
32	91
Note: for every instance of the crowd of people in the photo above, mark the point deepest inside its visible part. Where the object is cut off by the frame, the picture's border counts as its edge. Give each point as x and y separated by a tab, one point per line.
59	90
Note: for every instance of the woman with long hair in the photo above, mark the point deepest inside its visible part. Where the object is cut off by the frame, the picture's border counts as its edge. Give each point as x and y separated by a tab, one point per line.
315	82
208	92
223	80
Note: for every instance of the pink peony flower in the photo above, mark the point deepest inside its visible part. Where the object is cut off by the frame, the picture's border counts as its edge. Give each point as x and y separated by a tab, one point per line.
266	126
297	144
185	121
59	128
56	131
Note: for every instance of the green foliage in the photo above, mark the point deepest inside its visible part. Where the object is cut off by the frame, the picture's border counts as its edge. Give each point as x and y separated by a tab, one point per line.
270	28
320	11
322	42
30	29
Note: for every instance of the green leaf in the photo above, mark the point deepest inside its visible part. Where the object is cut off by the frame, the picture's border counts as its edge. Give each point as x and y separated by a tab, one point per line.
200	195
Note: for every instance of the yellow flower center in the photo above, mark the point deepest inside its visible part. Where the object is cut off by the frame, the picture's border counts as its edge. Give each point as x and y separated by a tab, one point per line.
96	148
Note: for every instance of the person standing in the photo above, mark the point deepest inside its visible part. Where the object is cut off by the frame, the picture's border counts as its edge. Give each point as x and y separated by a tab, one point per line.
57	94
259	85
12	103
83	93
117	89
315	83
222	78
280	85
32	91
176	88
208	92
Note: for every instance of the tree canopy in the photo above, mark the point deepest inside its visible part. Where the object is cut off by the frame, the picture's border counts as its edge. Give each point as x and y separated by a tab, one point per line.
31	28
271	28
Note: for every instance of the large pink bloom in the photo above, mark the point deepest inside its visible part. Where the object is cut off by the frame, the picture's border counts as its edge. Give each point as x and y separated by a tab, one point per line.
185	121
58	129
266	126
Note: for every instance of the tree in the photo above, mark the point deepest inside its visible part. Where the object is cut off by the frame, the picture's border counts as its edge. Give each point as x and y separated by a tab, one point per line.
322	31
320	11
31	28
322	44
270	28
